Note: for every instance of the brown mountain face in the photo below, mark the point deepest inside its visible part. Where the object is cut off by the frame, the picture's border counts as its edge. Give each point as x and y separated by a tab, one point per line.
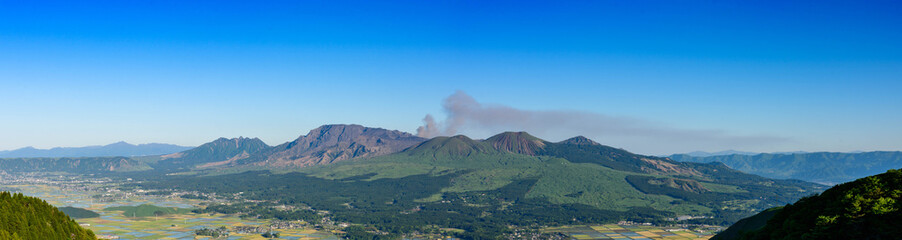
517	142
333	143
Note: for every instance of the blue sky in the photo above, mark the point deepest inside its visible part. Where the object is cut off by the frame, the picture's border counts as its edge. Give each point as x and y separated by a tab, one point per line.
812	77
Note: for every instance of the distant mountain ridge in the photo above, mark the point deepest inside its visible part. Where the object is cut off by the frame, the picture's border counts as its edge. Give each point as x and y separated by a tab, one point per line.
218	152
821	167
119	149
735	152
85	165
721	153
333	143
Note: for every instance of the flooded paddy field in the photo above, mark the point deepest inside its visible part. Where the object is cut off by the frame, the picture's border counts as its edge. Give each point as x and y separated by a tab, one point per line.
113	223
614	231
172	226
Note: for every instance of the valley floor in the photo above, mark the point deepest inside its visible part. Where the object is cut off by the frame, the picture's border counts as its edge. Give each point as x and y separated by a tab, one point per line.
95	195
113	225
629	231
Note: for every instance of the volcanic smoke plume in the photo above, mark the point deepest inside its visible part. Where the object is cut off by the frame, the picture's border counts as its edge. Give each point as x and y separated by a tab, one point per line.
464	113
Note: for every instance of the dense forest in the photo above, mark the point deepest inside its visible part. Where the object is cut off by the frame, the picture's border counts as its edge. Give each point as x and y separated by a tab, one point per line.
868	208
23	217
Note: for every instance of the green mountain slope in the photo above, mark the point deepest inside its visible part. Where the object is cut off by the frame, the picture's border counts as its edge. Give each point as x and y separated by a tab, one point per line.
576	171
512	179
215	153
481	167
747	225
23	217
86	165
77	213
867	208
821	167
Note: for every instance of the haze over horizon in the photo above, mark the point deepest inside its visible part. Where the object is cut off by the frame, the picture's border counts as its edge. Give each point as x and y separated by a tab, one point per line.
651	77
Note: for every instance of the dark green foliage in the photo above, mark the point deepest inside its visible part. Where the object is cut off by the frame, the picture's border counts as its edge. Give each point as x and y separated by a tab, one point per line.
147	210
194	196
76	213
23	217
868	208
217	232
822	167
270	235
357	232
747	225
614	158
261	211
86	165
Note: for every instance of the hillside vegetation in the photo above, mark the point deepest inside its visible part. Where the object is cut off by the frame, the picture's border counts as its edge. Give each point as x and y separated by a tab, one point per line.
23	217
867	208
147	210
511	179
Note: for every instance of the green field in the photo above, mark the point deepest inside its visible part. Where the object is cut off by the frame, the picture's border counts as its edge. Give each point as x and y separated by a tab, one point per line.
116	218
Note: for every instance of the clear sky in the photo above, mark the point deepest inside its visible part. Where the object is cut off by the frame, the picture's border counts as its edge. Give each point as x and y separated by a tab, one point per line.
789	75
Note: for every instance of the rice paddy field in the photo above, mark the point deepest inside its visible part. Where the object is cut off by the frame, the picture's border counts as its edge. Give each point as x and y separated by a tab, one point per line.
174	226
614	231
182	226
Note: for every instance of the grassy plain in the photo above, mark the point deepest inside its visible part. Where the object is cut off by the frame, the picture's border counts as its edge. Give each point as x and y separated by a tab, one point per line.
179	223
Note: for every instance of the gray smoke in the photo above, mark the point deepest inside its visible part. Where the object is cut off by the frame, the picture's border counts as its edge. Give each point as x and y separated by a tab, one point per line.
429	128
465	114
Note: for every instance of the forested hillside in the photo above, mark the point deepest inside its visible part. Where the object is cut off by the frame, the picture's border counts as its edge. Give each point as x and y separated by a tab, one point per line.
23	217
867	208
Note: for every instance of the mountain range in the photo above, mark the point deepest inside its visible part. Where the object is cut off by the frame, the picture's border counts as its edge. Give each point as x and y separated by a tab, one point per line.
734	152
119	149
821	167
82	165
394	180
323	145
